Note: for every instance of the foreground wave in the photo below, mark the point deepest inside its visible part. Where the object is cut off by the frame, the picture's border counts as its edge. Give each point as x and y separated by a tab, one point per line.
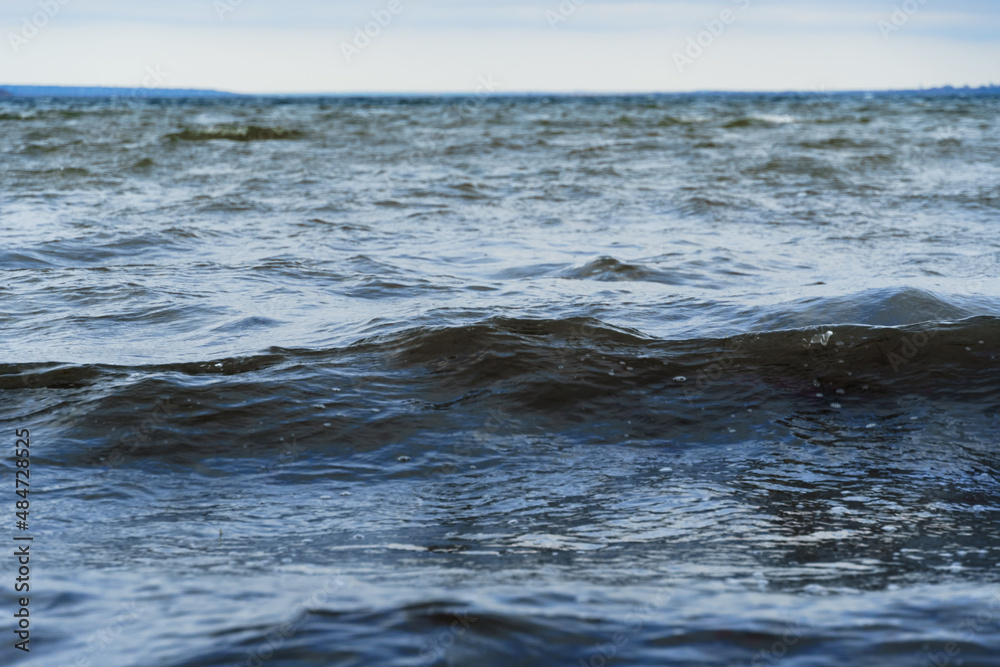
574	376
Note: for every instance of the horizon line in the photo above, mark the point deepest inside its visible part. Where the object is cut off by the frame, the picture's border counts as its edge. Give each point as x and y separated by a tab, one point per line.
11	88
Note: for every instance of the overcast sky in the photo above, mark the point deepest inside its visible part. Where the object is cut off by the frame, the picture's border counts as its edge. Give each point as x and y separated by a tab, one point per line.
298	46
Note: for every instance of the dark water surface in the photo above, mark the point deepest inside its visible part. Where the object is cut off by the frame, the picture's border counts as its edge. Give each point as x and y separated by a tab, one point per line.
614	381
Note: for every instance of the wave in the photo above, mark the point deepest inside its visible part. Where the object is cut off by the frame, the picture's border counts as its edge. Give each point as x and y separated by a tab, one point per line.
798	166
761	121
540	626
442	632
890	307
611	269
236	133
578	376
838	143
41	149
591	351
842	120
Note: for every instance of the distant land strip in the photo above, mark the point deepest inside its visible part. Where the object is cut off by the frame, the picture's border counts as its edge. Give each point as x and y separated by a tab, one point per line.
103	91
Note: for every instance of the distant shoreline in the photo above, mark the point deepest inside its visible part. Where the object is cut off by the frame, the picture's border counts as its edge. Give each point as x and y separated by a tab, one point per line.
104	92
8	92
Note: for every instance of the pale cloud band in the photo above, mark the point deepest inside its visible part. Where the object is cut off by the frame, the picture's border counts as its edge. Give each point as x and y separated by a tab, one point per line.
299	46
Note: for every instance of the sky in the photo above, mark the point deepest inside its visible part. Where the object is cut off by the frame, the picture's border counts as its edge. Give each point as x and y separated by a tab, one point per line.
468	46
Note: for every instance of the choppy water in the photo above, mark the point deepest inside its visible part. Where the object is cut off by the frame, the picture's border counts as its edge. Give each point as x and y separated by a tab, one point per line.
628	381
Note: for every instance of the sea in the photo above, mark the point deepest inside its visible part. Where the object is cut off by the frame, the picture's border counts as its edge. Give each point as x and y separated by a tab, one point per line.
501	380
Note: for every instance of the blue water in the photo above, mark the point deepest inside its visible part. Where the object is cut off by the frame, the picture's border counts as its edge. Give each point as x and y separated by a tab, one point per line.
678	380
